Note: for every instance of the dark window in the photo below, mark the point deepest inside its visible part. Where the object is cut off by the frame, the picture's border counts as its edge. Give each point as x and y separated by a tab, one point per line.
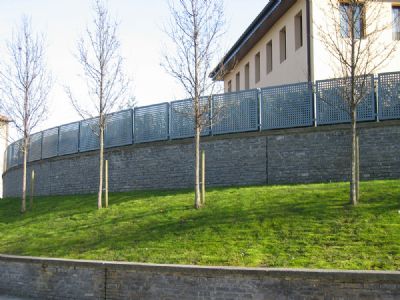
396	22
298	27
238	81
229	86
269	57
257	67
282	44
247	76
352	20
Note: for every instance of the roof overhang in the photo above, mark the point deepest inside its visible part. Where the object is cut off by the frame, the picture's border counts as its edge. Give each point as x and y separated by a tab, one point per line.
4	119
252	35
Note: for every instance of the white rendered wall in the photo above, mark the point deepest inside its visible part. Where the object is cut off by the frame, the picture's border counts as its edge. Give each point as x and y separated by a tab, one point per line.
292	70
3	146
324	64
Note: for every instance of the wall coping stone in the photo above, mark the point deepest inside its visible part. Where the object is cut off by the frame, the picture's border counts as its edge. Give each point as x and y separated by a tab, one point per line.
365	276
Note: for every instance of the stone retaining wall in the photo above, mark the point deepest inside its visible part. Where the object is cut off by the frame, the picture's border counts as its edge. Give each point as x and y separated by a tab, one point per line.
42	278
302	155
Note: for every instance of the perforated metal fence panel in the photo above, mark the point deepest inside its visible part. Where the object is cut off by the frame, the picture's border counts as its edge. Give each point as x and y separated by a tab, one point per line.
14	154
273	107
389	96
35	147
50	143
151	123
235	112
287	106
332	106
8	157
17	153
68	139
89	135
182	118
118	130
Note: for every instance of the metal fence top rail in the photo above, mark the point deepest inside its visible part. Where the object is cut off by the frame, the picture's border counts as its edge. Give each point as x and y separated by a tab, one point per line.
286	85
150	105
232	93
387	73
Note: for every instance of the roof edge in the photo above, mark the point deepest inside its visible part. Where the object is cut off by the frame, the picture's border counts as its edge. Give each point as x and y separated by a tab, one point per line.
257	22
4	119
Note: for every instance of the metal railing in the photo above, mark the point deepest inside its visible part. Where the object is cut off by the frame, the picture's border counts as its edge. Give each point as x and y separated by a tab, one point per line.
287	106
331	100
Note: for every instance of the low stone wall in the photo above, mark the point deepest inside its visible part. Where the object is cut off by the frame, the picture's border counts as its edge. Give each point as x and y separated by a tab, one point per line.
43	278
302	155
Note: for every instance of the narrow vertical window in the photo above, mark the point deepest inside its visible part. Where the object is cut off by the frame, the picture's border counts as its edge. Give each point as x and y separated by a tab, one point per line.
282	44
257	67
298	27
229	86
247	76
238	81
359	21
269	57
352	20
396	22
344	20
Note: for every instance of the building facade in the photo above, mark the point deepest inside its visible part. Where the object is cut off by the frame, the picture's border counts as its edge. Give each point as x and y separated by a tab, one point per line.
3	145
286	43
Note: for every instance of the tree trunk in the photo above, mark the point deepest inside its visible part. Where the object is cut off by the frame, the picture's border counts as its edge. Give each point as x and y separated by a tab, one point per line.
353	180
25	151
99	197
358	168
197	200
203	177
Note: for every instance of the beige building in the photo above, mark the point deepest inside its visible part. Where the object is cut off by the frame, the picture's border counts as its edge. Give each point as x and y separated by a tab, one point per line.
285	44
3	145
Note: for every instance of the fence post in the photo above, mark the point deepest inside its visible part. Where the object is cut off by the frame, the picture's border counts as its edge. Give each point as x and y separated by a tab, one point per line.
79	136
58	141
377	96
259	104
210	115
133	124
41	144
314	100
169	121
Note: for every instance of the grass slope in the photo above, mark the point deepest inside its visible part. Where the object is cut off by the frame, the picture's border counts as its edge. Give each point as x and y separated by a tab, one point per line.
309	226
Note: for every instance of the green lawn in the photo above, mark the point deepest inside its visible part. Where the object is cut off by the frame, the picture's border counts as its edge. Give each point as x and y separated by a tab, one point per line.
309	226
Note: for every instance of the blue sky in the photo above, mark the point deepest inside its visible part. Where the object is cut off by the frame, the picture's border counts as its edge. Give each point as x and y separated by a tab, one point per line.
63	22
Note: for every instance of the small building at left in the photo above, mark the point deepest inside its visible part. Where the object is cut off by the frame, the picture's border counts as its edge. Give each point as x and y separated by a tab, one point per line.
3	146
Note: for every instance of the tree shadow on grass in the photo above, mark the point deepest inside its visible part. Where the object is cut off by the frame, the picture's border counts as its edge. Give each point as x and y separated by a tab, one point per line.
157	226
69	205
133	221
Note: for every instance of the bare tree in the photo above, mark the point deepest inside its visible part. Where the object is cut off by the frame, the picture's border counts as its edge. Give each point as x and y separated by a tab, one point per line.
353	37
194	29
108	87
24	86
